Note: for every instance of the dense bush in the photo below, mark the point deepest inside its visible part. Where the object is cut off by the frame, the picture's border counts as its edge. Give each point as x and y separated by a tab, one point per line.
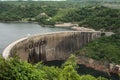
97	17
94	16
104	49
15	69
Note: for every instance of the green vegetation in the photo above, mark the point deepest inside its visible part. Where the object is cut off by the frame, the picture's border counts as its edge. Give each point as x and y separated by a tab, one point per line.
87	14
104	49
94	14
101	18
29	11
97	17
15	69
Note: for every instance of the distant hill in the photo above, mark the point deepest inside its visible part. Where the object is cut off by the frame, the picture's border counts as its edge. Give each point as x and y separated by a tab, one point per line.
97	0
68	0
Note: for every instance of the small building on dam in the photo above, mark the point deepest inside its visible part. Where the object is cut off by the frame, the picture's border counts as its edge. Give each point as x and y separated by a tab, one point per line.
50	46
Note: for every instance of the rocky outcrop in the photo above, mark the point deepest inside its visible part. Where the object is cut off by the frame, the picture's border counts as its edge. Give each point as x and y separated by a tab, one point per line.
76	28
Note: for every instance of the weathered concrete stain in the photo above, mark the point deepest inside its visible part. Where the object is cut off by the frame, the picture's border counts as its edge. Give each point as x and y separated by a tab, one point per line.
51	46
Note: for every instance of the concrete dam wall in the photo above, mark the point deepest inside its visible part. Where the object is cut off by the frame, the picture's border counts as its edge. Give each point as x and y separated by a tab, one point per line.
51	46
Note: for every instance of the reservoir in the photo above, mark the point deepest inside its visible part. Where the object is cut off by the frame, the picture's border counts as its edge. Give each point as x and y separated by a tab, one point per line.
9	32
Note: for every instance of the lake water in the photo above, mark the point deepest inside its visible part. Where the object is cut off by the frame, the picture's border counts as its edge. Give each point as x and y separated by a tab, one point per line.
9	32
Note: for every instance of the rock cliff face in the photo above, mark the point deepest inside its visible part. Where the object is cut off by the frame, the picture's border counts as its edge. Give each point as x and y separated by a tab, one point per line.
53	46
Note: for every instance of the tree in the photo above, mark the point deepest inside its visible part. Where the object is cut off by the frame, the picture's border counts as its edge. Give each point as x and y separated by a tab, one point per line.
29	0
20	0
15	69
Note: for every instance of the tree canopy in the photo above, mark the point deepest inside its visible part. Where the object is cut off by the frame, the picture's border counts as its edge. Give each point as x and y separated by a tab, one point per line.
104	49
15	69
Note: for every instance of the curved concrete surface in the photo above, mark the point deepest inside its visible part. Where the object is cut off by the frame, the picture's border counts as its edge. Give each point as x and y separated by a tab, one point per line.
7	50
49	46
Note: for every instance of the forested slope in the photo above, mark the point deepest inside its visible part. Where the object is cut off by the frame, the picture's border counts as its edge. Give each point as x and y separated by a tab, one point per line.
97	17
104	49
15	69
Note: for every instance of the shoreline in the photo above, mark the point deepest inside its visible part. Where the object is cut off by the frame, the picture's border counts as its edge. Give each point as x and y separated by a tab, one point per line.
43	25
18	22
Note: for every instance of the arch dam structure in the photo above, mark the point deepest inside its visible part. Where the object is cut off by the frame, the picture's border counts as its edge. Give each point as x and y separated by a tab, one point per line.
49	46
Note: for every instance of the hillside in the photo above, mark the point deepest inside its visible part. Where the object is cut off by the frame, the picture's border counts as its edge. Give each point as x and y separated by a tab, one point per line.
13	11
97	17
15	69
104	49
87	14
96	0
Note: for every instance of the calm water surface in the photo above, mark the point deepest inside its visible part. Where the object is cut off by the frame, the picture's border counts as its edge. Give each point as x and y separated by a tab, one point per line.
10	32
